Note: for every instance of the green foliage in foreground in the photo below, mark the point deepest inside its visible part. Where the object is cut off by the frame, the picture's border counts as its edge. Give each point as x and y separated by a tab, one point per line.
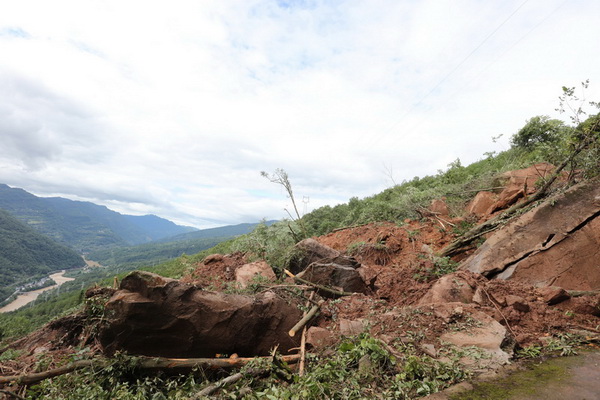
361	367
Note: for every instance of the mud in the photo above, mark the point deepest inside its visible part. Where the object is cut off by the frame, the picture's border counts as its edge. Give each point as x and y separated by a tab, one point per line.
573	378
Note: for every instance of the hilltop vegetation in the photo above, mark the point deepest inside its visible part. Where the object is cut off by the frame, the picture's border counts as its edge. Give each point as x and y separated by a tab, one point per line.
26	254
84	226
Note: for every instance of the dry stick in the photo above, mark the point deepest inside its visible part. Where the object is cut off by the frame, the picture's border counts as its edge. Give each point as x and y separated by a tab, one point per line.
303	341
581	293
585	328
27	379
317	286
305	319
12	394
144	363
501	314
210	389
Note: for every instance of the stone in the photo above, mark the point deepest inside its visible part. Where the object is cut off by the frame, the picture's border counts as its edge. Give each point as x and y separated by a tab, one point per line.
455	287
309	251
248	273
481	203
439	207
517	302
335	276
351	328
553	295
319	337
160	317
429	349
519	184
489	336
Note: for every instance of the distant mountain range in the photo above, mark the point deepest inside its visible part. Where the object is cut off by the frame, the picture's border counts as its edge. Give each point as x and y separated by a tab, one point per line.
26	254
222	231
85	226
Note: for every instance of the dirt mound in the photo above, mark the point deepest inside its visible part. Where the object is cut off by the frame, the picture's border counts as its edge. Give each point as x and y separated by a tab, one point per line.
155	316
216	271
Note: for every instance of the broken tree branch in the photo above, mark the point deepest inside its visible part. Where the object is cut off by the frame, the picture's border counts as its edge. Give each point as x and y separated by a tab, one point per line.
210	389
303	340
12	394
142	362
306	318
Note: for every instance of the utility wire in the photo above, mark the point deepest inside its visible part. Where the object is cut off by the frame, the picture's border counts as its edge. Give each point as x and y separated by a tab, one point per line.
444	79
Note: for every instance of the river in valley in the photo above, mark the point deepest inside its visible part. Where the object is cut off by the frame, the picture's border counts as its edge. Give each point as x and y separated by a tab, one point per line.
28	297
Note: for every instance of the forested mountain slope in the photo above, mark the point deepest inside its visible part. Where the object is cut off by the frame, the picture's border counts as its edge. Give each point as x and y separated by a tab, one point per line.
82	225
25	253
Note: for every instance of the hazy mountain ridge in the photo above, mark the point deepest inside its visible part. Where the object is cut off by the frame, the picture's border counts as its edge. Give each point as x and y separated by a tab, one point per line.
221	231
82	225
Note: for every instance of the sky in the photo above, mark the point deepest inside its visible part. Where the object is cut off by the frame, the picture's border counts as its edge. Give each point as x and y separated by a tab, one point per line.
174	108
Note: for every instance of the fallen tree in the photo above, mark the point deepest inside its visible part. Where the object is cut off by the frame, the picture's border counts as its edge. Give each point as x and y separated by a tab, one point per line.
142	363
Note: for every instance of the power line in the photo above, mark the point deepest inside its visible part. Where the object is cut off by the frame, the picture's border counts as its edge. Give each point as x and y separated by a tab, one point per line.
445	78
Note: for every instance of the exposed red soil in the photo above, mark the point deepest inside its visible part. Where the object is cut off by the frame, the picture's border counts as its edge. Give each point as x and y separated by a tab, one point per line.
216	271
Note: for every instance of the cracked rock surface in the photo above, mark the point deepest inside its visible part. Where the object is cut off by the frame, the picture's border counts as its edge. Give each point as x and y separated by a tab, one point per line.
555	244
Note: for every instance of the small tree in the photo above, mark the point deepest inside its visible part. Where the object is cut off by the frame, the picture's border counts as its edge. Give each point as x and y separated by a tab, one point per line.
281	177
539	130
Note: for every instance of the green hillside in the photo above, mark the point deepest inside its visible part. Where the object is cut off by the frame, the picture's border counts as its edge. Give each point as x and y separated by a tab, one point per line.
171	247
26	254
221	231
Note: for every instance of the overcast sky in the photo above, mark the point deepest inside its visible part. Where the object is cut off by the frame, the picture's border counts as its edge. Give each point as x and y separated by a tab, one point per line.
173	108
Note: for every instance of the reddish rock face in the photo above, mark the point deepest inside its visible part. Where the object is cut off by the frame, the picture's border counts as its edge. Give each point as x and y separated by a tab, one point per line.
482	203
154	316
456	287
439	207
555	244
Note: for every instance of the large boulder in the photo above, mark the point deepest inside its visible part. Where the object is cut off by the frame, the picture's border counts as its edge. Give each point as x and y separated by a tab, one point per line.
340	277
249	273
458	287
309	251
155	316
555	244
486	334
520	183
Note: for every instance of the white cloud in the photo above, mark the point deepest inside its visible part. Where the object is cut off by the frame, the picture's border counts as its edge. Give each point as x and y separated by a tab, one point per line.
174	109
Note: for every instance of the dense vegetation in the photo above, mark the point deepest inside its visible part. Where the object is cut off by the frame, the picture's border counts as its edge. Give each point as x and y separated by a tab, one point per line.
81	225
25	254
